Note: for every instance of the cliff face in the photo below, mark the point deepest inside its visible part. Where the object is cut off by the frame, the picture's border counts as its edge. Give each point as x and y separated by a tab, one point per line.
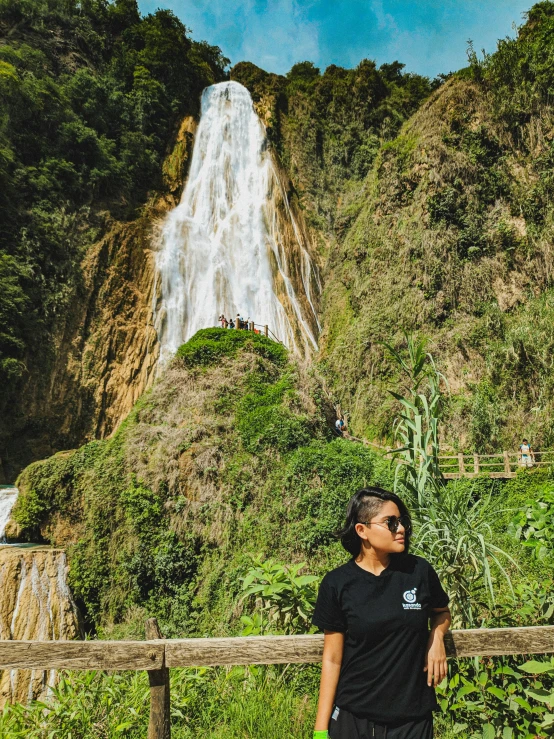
35	603
98	108
104	348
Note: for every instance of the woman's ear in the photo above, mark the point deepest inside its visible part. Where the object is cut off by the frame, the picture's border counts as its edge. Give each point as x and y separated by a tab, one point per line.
360	529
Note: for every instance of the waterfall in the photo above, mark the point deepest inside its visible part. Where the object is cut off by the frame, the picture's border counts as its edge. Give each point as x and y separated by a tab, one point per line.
223	249
8	496
35	603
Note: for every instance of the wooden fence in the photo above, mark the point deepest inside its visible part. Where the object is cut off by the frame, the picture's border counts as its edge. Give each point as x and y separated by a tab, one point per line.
499	465
157	655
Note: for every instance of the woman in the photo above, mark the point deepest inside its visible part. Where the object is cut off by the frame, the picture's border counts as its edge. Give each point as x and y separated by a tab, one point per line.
380	663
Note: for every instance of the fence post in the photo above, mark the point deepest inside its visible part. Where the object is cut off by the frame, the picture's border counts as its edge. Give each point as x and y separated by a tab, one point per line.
159	726
266	331
461	464
251	326
476	463
507	468
237	322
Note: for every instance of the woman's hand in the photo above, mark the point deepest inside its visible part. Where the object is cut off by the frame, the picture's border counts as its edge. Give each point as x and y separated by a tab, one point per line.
435	657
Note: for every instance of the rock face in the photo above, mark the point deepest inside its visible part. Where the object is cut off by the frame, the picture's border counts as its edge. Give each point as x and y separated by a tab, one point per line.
35	603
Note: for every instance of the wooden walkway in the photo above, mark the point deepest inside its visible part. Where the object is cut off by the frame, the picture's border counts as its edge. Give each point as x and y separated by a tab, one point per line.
501	465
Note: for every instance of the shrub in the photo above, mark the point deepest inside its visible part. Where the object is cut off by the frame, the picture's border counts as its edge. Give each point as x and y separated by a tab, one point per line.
209	345
534	525
323	477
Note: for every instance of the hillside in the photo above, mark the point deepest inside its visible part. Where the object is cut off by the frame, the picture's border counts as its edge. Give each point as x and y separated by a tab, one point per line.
228	456
451	236
437	221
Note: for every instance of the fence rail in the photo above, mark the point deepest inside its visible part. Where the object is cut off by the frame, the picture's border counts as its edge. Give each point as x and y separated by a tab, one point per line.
157	655
501	465
262	329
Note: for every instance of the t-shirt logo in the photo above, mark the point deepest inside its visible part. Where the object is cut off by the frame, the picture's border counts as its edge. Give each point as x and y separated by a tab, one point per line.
411	603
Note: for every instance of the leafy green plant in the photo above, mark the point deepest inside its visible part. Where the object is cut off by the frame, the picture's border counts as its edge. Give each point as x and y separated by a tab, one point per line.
286	597
250	702
320	478
452	524
454	533
533	606
417	426
209	345
534	525
490	699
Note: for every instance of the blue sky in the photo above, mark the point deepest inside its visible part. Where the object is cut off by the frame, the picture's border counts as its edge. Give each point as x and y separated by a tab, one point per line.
429	36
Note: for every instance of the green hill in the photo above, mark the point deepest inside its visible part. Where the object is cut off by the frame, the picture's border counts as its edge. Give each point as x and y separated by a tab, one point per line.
433	211
228	457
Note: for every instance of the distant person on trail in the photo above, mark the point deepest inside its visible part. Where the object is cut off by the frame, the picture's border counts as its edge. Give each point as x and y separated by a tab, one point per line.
526	454
381	661
339	426
222	320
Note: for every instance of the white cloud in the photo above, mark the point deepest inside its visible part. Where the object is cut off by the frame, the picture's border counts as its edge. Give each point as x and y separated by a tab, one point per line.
275	34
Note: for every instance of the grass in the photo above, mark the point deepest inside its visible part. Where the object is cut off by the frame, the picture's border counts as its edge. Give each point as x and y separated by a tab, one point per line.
231	703
262	703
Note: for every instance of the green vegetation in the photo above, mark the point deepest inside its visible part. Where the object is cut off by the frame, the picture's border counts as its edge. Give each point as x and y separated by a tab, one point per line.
214	508
327	127
221	461
450	234
209	345
266	703
214	505
90	95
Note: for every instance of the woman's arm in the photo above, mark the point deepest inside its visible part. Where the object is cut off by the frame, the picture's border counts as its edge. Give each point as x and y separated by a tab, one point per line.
435	660
333	647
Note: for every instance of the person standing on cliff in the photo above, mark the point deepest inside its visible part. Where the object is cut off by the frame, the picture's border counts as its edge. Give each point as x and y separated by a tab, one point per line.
380	660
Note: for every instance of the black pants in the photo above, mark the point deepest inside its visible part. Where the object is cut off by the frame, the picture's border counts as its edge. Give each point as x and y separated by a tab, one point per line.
348	726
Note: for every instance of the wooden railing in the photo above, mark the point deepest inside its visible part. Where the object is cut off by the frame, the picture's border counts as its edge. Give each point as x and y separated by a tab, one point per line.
499	465
257	327
157	655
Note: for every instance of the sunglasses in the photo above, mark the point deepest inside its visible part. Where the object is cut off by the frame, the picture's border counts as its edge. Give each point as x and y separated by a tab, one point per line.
392	523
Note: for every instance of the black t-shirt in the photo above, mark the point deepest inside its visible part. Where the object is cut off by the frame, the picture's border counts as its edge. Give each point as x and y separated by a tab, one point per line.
385	620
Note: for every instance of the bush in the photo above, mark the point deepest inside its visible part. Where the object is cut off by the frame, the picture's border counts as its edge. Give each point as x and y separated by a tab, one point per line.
209	345
323	477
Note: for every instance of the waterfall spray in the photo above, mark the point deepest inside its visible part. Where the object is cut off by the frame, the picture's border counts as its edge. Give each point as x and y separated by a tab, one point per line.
221	248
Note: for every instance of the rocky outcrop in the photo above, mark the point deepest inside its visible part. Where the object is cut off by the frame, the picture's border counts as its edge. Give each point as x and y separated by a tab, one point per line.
35	603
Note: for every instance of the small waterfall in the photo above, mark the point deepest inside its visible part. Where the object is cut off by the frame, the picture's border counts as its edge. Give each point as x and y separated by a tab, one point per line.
35	603
223	248
8	496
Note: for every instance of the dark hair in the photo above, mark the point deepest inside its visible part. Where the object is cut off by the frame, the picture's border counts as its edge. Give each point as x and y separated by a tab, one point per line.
362	506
